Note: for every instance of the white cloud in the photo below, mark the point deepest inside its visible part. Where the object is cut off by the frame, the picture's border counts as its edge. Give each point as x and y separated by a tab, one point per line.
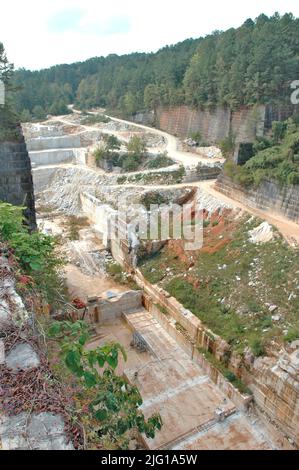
98	27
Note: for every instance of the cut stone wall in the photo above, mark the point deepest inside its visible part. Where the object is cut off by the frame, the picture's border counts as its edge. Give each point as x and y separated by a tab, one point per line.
274	384
183	121
48	143
108	310
268	196
51	157
214	125
16	185
42	178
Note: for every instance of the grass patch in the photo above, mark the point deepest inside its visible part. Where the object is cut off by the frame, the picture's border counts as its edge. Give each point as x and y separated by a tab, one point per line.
230	376
74	224
117	273
228	290
95	119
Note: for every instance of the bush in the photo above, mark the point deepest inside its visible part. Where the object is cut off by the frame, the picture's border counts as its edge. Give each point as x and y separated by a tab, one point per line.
293	178
278	130
95	119
35	252
130	163
292	335
274	159
152	198
160	161
257	348
100	154
136	146
227	146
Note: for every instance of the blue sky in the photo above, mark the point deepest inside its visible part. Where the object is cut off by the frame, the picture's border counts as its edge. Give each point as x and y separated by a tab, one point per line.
72	19
64	31
65	20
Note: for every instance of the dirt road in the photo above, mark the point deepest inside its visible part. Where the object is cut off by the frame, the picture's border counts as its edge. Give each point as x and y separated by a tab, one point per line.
172	142
289	229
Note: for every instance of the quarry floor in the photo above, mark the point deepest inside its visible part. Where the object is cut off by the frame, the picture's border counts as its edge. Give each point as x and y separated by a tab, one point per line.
84	278
172	385
169	381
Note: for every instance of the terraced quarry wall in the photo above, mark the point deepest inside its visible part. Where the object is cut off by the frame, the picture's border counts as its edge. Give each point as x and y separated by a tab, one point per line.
268	196
213	125
273	381
16	186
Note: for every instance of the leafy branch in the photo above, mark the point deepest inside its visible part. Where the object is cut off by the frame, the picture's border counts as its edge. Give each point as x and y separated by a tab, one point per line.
116	403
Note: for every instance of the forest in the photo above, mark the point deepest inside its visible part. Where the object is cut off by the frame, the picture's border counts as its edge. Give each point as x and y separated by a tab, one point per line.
243	66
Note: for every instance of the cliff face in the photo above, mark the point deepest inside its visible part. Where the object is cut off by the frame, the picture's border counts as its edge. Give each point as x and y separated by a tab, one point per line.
275	386
16	186
268	196
216	124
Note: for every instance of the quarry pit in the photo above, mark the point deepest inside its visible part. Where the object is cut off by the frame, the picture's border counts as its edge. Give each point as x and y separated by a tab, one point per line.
200	408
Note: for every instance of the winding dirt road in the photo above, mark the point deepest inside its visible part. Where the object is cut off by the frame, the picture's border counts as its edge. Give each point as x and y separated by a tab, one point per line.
289	229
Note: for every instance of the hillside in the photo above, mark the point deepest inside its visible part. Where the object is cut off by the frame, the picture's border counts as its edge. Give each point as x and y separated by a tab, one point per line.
274	157
242	66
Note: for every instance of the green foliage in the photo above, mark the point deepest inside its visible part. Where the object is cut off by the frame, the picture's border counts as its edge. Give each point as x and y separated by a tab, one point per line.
9	121
116	402
39	113
100	154
112	142
274	159
130	162
278	131
152	198
59	108
242	66
95	119
196	136
136	146
245	66
292	335
230	376
232	308
161	161
34	251
108	151
227	146
257	347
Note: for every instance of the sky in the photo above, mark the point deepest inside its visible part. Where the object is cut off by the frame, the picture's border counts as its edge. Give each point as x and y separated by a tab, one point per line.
38	34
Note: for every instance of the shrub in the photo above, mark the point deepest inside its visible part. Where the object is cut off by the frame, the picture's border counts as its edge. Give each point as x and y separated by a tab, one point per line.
115	403
160	161
257	347
130	163
227	146
100	154
95	119
35	252
293	178
152	198
292	335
